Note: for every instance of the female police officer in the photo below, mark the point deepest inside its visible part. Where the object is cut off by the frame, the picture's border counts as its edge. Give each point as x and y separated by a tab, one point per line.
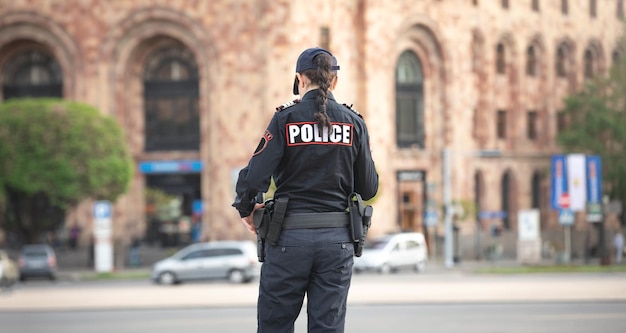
318	152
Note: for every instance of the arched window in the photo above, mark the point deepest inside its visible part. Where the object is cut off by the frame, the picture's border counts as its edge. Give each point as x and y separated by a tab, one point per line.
32	74
616	57
561	61
535	5
409	101
592	8
478	192
505	197
589	64
171	101
500	59
531	61
535	190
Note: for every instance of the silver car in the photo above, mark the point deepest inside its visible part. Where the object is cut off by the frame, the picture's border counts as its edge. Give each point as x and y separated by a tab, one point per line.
37	260
233	260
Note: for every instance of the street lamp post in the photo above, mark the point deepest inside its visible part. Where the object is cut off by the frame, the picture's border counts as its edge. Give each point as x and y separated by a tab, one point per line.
447	200
448	249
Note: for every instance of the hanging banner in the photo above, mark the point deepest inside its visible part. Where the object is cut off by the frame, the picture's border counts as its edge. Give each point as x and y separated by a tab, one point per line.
594	189
577	182
594	179
558	180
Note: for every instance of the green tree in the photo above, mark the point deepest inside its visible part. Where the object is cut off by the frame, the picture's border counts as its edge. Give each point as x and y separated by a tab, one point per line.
53	154
596	125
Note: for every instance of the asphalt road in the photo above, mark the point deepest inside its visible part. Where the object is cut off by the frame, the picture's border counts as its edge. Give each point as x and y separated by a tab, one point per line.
574	317
398	303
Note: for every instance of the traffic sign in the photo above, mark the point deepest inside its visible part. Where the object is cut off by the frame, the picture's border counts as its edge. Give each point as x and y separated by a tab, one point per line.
564	200
594	212
102	210
102	232
566	217
430	218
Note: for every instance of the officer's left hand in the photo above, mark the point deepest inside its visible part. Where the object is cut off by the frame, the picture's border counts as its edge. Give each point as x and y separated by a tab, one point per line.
248	221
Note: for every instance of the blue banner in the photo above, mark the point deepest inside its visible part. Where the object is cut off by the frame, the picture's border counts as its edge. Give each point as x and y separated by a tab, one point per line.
558	181
594	179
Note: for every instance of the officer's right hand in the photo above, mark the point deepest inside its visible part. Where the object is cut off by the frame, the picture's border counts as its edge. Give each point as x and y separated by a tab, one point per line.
248	221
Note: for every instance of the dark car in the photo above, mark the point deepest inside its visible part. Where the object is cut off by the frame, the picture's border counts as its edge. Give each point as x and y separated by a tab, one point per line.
37	260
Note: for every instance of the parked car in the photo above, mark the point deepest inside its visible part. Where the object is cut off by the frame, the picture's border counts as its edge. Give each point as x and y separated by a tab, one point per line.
9	273
37	260
233	260
393	252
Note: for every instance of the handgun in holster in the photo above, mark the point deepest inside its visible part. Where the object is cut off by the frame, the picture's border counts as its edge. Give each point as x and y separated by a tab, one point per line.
268	222
261	218
360	221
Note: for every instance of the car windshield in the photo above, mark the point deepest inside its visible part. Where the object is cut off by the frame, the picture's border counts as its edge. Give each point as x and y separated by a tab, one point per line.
376	244
35	254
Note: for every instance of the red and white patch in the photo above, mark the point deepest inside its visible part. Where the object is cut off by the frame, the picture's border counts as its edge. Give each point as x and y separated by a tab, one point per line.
267	136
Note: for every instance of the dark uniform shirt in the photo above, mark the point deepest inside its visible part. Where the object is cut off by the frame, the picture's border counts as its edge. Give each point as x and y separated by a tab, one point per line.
315	170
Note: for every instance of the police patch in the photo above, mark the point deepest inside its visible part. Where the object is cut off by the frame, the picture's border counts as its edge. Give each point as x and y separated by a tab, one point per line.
308	133
267	136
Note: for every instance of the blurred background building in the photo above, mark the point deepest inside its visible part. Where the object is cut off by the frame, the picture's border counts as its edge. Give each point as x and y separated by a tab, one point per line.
194	83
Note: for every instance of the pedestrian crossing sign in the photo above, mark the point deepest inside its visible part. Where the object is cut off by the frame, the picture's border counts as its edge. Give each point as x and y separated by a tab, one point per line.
566	217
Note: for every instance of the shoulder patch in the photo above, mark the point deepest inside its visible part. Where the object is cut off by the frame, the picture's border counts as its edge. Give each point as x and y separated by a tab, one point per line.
352	109
287	105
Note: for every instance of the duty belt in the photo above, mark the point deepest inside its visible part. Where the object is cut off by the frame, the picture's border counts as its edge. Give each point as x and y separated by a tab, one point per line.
316	220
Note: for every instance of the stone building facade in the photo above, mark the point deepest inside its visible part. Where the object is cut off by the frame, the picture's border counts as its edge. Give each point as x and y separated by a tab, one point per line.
193	84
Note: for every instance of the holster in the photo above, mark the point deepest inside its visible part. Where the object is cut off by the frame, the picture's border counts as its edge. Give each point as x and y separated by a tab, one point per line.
268	222
276	224
360	221
262	218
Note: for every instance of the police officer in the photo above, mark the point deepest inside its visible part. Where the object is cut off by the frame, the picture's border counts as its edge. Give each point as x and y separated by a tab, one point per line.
318	153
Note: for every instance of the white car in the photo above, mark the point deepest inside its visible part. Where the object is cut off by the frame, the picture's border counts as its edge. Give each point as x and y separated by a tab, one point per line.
233	260
9	273
390	253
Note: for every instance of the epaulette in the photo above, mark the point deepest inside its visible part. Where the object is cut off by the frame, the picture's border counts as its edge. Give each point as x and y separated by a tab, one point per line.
287	105
352	109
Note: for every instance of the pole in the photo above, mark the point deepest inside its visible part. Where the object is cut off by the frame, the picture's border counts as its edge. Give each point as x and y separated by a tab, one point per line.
449	262
477	238
568	244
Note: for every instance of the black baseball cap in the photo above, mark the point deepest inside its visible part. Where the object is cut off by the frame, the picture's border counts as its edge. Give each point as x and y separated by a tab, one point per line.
305	60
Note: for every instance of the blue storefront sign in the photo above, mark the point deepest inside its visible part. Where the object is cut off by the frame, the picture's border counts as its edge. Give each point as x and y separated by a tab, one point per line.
489	215
558	172
160	167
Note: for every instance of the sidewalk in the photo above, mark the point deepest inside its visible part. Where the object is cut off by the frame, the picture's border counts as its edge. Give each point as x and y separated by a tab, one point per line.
437	285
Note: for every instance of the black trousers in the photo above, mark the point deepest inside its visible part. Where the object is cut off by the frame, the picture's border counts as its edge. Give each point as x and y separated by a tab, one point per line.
315	262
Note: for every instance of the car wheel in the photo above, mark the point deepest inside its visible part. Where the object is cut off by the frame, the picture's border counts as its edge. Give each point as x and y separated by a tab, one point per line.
236	276
385	269
420	266
167	278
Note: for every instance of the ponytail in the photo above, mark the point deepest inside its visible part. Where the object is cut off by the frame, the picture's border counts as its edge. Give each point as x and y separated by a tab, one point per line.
323	76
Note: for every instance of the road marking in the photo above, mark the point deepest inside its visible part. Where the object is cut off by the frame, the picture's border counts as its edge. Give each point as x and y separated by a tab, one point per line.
583	316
